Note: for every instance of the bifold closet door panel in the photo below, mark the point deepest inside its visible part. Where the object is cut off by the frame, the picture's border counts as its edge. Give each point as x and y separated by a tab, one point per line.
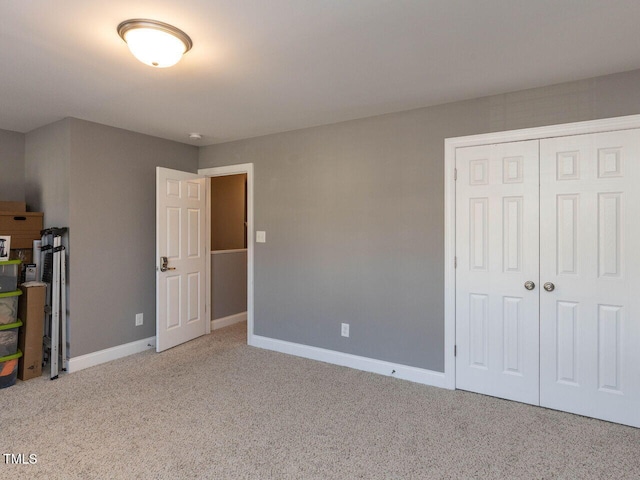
590	264
497	254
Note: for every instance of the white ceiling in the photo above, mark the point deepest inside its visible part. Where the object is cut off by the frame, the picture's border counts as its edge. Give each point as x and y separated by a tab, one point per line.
264	66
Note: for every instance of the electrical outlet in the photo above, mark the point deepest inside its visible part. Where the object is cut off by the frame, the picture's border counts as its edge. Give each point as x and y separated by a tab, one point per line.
139	319
344	331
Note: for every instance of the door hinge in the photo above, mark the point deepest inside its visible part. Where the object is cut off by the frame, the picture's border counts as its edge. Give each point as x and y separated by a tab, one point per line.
455	174
455	350
455	262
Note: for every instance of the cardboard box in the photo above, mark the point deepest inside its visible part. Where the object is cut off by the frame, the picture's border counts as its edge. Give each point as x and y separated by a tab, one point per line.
23	227
31	312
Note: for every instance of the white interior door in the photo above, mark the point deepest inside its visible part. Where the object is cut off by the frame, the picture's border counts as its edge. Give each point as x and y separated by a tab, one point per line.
180	238
497	254
590	234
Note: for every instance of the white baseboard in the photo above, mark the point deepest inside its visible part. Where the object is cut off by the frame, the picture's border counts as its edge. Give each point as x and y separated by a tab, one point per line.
230	320
413	374
96	358
381	367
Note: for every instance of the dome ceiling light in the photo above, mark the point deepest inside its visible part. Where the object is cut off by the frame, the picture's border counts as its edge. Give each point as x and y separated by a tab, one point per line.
154	43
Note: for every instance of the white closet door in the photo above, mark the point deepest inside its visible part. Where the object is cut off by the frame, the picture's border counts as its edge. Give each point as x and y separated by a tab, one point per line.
590	239
497	252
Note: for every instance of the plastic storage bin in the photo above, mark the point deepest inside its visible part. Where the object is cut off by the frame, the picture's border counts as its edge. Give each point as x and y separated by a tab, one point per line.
9	307
9	369
9	275
9	338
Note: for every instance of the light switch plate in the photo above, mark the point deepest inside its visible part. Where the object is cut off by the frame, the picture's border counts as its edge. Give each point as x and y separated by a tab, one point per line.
261	236
344	329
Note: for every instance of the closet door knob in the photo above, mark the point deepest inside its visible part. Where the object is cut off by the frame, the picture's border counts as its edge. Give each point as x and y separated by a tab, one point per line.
549	287
529	285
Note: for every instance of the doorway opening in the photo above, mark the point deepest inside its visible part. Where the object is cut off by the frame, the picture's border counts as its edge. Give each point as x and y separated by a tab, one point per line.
228	252
229	224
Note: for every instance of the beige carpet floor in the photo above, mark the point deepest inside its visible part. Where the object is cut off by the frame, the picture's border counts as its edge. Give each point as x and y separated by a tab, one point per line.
216	408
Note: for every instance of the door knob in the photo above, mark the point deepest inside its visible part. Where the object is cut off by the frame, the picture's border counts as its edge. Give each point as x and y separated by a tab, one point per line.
164	264
549	287
529	285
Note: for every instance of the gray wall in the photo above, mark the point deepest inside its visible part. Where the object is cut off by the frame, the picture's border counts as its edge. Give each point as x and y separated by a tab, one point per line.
354	215
112	228
100	182
46	170
228	284
46	175
11	166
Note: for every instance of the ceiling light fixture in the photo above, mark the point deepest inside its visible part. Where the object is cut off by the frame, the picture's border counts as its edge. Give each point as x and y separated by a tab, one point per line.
154	43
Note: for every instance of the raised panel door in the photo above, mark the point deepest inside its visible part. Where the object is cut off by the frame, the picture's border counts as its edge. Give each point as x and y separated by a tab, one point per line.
497	253
180	237
590	321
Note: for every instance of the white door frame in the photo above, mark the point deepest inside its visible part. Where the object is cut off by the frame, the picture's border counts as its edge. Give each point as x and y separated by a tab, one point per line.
219	172
450	146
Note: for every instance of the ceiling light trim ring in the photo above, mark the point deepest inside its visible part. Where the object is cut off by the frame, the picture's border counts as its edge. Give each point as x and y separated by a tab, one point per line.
136	23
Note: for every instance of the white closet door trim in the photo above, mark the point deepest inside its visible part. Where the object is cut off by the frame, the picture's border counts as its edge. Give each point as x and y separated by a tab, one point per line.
450	146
